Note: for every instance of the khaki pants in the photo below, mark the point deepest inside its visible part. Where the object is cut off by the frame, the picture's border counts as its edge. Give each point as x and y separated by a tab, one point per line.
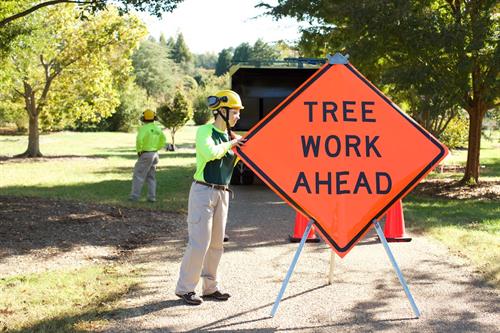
145	170
207	216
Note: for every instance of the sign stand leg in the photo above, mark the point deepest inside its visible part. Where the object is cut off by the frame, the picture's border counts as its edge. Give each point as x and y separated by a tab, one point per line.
396	268
332	266
292	267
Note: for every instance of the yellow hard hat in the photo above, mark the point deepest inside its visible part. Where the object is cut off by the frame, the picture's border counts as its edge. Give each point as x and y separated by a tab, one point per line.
148	115
225	98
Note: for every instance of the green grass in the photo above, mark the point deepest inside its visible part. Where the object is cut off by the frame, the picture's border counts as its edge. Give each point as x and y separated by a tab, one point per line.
96	167
76	300
470	228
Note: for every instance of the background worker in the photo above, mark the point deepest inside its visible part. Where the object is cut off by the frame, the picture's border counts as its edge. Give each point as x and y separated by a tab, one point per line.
209	200
149	140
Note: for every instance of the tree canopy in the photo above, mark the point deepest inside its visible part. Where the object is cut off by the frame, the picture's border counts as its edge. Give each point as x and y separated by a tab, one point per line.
262	51
242	53
259	52
13	10
206	60
69	70
180	50
154	70
223	62
175	114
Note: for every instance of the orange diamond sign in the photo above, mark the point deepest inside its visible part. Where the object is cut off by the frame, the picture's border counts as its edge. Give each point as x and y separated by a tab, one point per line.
340	152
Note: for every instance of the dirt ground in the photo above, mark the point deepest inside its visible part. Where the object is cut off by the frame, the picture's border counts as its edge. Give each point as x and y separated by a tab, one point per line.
38	234
41	234
450	189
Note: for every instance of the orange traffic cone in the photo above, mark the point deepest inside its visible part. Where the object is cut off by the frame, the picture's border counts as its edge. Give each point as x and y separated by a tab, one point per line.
298	231
394	230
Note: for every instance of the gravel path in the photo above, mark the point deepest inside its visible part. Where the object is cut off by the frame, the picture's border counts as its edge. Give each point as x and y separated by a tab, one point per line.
365	296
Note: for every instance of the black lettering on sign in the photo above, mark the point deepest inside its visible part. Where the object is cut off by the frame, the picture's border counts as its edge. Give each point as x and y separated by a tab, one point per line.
333	145
351	111
301	181
329	108
335	152
371	145
306	146
327	182
365	111
340	182
310	105
352	141
362	182
346	111
344	182
379	175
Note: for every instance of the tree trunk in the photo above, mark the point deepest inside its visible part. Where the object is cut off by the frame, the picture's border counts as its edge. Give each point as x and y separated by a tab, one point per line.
33	149
33	139
172	135
34	110
476	114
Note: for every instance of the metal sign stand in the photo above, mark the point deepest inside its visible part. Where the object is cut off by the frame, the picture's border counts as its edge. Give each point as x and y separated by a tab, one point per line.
330	278
292	267
332	267
380	234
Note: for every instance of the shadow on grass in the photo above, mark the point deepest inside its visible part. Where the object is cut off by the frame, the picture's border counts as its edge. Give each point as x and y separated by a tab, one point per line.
171	181
125	153
423	213
67	323
10	159
183	150
490	168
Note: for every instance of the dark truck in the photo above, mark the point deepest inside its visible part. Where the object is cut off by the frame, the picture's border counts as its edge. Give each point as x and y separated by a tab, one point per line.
261	88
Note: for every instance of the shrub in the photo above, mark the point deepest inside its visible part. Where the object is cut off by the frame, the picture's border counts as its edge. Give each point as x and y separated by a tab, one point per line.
133	101
456	133
202	114
174	115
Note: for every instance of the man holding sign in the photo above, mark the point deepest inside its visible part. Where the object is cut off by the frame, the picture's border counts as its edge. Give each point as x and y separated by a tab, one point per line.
209	200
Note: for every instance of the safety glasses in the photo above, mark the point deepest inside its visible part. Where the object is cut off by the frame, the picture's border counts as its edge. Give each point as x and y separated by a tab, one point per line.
214	101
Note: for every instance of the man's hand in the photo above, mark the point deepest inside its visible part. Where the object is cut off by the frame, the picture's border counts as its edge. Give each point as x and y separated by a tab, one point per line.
239	142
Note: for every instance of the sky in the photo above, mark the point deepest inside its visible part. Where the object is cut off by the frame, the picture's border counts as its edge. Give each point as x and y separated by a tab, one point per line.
211	25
